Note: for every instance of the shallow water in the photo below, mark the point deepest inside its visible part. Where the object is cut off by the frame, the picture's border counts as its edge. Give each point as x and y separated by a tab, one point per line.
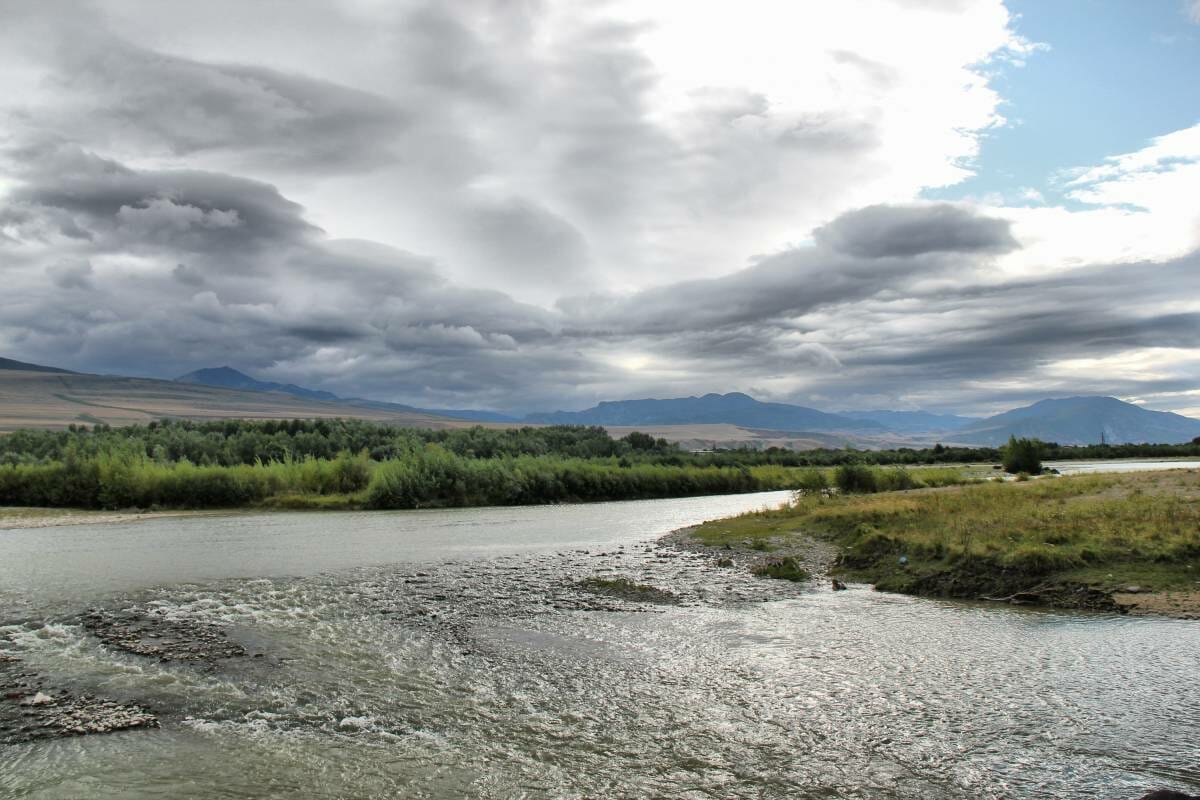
451	654
1121	465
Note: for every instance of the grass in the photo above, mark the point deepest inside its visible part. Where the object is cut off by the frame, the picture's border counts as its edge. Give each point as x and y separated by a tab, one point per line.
1102	530
786	568
627	589
427	477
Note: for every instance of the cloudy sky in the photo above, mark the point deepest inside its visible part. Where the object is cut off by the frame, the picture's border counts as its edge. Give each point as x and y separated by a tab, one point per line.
517	205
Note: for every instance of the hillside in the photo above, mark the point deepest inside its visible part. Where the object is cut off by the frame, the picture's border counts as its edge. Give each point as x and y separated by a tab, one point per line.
21	366
49	398
912	421
1082	420
230	378
731	409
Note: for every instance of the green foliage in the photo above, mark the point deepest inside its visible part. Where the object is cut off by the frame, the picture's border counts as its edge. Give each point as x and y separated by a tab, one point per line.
856	479
786	568
435	477
627	589
1023	455
986	537
812	481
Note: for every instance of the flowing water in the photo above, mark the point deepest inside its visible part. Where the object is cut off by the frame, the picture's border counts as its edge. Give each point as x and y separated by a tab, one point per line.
1122	465
454	654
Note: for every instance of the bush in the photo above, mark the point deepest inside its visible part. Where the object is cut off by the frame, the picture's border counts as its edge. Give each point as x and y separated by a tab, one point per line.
786	568
812	481
855	479
1022	455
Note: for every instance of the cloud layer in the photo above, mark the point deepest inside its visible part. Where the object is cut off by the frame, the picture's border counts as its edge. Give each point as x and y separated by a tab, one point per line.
539	207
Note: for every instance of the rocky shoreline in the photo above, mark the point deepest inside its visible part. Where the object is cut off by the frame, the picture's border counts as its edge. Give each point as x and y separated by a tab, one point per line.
151	633
31	708
821	560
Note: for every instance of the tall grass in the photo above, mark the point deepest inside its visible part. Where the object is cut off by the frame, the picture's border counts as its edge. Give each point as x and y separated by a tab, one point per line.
128	480
1036	528
426	477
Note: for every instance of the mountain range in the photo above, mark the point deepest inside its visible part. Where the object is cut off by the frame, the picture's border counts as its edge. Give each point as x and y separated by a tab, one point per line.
734	408
230	378
912	421
1072	420
1082	420
21	366
33	395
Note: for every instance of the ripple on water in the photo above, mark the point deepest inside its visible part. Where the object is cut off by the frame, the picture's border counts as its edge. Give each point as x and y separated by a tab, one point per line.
507	677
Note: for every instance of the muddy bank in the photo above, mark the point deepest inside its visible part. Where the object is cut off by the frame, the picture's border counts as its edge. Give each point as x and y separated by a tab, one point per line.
22	518
817	557
825	563
1180	605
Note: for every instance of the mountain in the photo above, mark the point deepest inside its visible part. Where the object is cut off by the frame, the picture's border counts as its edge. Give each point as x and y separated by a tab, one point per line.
1082	420
230	378
21	366
49	398
470	414
733	409
912	421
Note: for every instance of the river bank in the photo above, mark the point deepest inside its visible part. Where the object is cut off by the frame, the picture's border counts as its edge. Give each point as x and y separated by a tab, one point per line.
550	651
1117	543
21	517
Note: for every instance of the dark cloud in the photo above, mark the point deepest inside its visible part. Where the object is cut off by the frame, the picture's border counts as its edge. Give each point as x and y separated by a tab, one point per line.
80	196
121	93
187	275
884	231
153	156
787	284
71	275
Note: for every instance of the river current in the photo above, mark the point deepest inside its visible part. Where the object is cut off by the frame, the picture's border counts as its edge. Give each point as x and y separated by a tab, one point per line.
456	654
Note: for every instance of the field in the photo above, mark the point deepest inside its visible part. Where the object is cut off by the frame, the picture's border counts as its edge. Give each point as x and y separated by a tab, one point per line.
1033	541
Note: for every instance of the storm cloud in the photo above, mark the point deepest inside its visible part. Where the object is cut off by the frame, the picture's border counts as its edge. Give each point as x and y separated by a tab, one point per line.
882	231
525	207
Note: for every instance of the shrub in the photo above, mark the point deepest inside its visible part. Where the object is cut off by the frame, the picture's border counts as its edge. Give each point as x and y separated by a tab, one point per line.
855	479
812	481
786	568
1022	455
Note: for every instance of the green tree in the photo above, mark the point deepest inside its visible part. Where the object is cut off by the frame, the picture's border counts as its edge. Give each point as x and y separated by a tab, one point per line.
1022	455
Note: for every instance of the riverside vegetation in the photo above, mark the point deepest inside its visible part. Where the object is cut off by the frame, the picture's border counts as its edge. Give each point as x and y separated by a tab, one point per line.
1072	541
342	464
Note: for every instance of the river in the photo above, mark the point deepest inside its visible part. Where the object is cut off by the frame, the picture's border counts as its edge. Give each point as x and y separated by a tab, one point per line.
451	654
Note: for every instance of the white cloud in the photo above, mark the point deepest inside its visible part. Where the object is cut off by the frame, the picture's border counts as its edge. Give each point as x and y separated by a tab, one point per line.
1137	206
697	197
634	143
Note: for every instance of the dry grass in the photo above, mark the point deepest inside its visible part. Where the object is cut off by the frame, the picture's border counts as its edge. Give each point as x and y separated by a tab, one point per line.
1101	529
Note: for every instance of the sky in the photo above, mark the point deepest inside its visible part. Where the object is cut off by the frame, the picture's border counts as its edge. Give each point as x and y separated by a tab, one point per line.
956	205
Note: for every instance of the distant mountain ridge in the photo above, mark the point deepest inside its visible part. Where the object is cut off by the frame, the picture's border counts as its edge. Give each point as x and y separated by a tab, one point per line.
21	366
1082	420
229	378
734	408
913	421
1069	420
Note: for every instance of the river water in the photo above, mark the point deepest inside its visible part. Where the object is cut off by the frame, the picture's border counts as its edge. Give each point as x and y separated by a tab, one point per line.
1122	465
453	654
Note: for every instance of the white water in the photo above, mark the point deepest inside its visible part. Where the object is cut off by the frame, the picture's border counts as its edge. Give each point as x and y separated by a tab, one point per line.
450	654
